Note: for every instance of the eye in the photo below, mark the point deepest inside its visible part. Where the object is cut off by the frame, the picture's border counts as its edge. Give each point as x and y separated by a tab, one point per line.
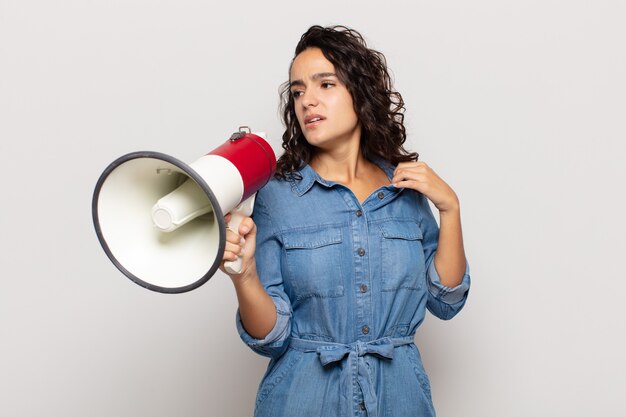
296	94
327	84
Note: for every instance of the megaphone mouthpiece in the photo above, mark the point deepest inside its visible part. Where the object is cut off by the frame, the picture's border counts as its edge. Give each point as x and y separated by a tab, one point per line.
180	207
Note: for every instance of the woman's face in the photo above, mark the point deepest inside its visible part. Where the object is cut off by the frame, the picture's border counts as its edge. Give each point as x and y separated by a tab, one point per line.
322	103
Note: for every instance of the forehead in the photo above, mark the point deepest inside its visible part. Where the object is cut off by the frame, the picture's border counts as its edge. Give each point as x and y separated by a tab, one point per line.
309	62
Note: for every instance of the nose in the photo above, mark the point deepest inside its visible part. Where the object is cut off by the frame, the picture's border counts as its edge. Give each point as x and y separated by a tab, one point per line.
309	98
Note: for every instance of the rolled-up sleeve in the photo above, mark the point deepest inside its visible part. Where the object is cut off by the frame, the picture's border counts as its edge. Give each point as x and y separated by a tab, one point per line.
273	344
268	255
443	302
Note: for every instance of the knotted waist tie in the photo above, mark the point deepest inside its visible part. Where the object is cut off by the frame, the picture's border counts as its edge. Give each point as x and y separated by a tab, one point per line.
335	352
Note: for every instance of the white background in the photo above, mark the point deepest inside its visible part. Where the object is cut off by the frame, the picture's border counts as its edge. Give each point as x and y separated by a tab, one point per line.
519	105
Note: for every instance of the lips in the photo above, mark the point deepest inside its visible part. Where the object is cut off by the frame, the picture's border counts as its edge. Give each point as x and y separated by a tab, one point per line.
313	118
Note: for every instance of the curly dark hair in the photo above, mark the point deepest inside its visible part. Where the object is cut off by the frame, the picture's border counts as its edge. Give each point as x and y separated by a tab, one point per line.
379	108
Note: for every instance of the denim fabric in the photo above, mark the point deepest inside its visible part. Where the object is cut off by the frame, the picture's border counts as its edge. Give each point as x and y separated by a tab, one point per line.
351	283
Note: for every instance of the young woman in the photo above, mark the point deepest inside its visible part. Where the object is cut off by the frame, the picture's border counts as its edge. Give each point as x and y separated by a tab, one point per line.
344	255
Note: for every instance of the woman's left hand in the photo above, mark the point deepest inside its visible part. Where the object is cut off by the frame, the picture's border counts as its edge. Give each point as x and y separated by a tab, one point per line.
420	177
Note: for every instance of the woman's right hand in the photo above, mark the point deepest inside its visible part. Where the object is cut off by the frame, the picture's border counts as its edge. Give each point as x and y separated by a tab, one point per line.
240	245
256	308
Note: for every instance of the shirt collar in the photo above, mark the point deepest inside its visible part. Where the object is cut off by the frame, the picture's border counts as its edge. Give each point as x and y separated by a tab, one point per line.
309	177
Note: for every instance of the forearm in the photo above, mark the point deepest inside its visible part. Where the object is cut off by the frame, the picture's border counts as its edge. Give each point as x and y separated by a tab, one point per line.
450	254
256	308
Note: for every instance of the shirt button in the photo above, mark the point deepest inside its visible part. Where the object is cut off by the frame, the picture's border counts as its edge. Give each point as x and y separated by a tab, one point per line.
361	252
363	288
359	213
362	406
381	195
365	329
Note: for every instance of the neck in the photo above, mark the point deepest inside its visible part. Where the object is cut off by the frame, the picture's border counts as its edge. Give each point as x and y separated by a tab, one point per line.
340	165
352	170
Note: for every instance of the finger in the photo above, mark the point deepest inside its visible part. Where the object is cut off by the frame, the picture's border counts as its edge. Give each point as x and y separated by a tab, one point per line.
247	226
403	166
229	256
406	184
409	176
410	165
233	248
411	171
418	184
233	237
402	175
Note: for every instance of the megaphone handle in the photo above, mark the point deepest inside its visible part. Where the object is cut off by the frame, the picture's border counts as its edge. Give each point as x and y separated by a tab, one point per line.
240	212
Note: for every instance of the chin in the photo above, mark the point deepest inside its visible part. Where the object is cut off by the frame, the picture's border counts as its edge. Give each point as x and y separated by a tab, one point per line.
318	142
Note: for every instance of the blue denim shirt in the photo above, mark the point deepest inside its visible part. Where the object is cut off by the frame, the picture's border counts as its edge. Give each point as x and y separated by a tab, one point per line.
351	283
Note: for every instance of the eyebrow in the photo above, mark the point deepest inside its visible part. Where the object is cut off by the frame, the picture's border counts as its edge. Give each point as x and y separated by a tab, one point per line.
315	77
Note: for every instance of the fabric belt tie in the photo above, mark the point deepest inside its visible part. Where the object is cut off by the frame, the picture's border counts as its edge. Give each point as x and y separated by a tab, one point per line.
335	352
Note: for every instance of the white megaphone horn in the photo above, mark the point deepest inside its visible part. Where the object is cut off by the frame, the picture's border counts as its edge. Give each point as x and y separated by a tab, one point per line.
161	221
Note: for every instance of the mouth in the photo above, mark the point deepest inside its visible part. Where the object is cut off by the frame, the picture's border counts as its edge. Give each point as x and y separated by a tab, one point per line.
312	119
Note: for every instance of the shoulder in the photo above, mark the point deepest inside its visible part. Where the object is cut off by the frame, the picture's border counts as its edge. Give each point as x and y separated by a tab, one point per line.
278	189
274	199
275	191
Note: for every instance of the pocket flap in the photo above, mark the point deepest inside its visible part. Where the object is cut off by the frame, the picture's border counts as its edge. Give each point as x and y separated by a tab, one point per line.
399	229
310	239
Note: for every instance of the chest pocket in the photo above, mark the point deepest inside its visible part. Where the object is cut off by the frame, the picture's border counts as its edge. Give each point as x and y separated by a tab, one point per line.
314	262
403	264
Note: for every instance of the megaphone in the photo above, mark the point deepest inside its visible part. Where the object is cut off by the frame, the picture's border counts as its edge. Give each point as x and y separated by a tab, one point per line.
161	221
